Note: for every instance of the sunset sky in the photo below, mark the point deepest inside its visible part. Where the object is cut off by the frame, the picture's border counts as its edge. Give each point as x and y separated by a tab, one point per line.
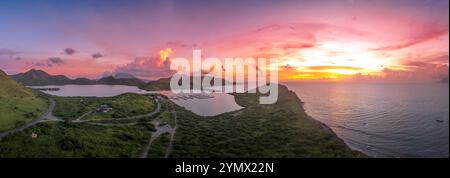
353	40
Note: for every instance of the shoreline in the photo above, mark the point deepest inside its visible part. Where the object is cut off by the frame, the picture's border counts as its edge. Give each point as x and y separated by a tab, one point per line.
325	126
301	103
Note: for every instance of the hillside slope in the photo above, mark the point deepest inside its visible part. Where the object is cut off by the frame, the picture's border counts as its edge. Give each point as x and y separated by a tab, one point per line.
39	77
18	104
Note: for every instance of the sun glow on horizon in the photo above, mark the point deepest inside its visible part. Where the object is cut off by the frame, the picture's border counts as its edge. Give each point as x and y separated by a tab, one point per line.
333	61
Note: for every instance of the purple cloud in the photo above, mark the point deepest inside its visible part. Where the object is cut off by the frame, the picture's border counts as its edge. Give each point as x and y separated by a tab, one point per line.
56	60
97	55
69	51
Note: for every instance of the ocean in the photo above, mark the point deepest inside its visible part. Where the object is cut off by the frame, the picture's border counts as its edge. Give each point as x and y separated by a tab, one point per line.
383	120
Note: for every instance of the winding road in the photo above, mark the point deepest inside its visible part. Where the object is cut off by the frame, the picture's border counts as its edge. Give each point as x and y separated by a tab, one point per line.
47	115
161	130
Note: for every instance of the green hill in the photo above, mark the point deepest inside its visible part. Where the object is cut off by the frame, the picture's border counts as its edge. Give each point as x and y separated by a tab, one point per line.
35	77
39	77
18	104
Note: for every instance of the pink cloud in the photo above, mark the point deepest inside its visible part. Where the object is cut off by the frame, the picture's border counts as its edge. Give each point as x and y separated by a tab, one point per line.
413	40
147	68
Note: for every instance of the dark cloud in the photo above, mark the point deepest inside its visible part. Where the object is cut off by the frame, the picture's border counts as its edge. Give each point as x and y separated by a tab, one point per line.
56	60
97	55
179	44
18	58
69	51
38	64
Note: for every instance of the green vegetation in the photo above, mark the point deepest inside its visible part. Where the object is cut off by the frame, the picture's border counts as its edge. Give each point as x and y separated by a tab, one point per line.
100	138
159	146
160	84
56	139
18	104
278	130
124	105
166	116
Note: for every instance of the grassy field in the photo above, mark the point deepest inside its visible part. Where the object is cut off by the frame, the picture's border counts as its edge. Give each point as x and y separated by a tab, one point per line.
278	130
159	146
124	105
56	139
18	104
111	138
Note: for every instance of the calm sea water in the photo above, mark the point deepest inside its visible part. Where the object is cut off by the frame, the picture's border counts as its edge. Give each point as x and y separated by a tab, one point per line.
211	105
383	120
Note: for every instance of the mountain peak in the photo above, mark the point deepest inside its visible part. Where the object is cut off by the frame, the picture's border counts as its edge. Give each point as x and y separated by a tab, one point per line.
35	70
39	77
108	77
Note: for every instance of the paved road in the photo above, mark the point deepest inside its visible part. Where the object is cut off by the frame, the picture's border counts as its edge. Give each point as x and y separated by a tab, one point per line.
48	114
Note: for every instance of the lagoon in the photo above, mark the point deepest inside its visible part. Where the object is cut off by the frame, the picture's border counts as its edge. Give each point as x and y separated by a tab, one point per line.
201	104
